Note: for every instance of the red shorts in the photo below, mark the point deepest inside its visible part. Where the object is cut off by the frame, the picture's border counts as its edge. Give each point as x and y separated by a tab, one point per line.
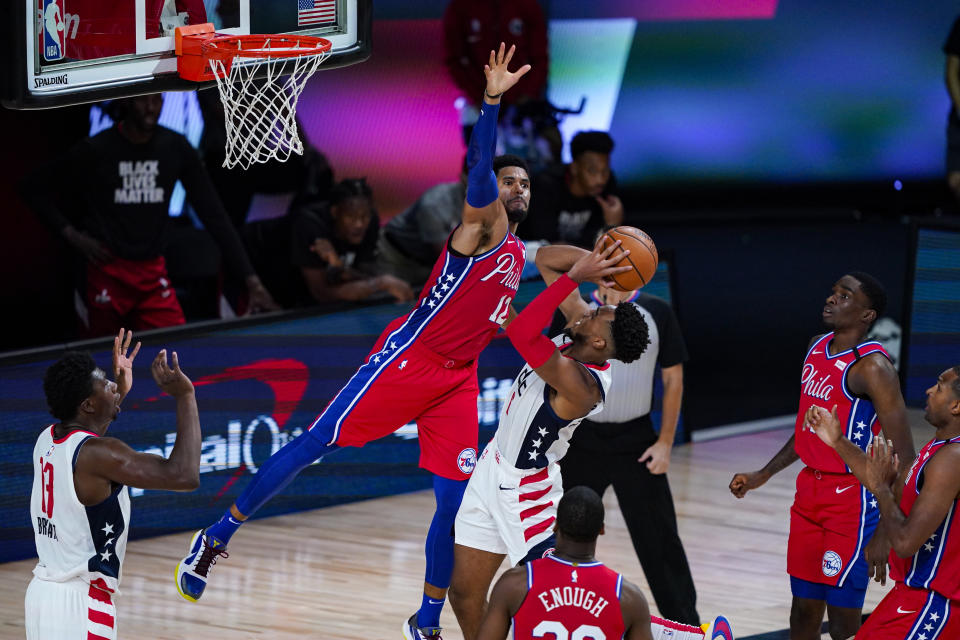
396	386
831	521
907	613
131	293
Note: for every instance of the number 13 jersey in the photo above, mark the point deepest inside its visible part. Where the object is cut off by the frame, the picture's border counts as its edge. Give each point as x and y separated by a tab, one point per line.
73	540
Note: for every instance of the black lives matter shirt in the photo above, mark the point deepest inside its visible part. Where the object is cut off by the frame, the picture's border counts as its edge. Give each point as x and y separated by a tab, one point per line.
119	192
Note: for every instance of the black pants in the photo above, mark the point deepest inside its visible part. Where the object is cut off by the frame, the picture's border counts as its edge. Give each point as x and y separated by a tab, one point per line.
647	507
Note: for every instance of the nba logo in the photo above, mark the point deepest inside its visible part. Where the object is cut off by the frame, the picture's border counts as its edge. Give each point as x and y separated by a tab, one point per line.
54	33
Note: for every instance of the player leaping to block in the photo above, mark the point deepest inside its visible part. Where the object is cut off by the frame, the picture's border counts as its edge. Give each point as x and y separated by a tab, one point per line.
423	367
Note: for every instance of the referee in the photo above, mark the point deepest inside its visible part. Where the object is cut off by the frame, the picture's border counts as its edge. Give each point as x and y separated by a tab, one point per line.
619	446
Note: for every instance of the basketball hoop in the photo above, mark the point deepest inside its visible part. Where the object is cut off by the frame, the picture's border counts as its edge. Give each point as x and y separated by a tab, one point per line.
259	112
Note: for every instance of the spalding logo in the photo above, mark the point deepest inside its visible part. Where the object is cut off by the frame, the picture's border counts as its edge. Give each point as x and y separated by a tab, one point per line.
831	564
467	460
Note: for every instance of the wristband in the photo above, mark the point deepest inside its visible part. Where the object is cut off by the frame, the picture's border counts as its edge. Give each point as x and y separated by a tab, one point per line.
494	97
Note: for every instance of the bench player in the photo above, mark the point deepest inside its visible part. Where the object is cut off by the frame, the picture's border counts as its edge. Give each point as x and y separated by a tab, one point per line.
833	516
423	367
80	506
510	504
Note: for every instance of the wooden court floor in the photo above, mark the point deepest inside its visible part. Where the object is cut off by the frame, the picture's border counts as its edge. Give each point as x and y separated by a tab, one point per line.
355	571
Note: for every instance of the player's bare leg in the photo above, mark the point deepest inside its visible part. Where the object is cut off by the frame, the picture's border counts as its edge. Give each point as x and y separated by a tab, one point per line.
473	572
843	621
806	617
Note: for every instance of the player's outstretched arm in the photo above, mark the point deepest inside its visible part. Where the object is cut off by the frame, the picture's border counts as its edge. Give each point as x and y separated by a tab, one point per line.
555	260
635	611
505	601
745	481
484	218
114	460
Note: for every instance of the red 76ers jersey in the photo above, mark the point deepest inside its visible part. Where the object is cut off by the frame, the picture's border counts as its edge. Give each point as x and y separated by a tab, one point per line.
936	564
823	382
569	600
467	299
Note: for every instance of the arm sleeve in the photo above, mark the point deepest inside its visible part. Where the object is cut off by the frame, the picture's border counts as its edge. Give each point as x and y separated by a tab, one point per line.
481	182
206	203
525	332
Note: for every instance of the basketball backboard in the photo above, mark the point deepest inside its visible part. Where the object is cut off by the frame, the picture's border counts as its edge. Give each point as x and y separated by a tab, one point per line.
64	52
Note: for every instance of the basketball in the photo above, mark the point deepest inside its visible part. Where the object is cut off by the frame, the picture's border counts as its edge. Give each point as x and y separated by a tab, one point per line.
643	257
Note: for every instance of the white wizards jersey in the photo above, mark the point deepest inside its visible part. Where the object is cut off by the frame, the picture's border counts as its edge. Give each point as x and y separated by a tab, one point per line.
530	434
74	541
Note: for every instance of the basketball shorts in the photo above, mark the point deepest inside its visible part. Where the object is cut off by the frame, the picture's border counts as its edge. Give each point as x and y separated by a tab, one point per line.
907	613
831	521
136	292
71	610
507	510
396	386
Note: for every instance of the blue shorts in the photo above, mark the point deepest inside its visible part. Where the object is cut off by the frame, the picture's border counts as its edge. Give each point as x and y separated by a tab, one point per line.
847	596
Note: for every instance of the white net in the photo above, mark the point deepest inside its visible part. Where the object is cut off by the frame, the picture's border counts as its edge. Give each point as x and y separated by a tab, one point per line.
260	112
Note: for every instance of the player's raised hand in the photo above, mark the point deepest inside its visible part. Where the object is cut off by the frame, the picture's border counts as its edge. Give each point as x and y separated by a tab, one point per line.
598	265
824	423
882	464
499	78
122	363
743	482
172	380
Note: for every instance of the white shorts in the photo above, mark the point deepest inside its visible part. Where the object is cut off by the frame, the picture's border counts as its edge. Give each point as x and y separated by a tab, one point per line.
507	510
71	610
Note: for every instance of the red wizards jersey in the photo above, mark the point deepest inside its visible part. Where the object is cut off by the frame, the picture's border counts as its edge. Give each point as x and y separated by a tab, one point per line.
570	600
936	565
466	300
823	382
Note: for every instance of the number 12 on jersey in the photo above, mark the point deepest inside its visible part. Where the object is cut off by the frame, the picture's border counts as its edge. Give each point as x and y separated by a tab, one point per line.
500	314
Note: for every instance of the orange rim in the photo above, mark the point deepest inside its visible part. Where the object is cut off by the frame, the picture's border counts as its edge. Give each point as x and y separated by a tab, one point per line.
264	46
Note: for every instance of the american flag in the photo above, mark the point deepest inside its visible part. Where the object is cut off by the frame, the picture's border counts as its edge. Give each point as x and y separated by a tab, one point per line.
316	11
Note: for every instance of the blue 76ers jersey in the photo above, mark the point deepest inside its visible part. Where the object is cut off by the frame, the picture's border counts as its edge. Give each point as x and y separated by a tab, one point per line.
531	435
